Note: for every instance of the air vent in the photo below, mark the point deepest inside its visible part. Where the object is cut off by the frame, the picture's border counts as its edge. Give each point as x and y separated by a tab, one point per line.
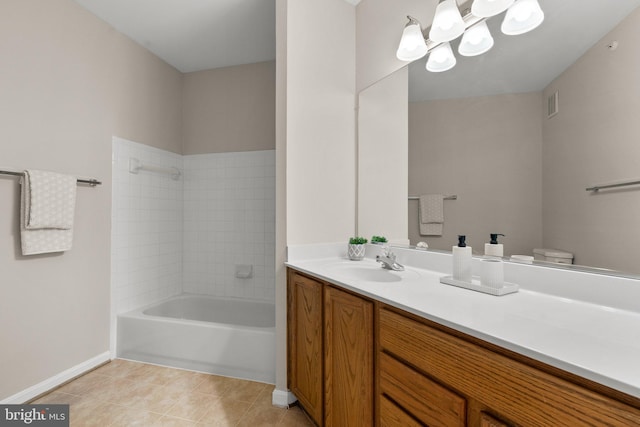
552	105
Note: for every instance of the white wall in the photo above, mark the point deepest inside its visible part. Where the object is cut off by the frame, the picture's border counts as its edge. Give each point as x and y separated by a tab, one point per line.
320	121
382	159
315	135
379	27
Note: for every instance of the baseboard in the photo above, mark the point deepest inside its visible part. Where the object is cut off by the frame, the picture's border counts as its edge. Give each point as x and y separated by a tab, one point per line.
282	398
56	380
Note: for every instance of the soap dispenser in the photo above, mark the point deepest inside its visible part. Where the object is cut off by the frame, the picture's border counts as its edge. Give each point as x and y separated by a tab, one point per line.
462	260
493	248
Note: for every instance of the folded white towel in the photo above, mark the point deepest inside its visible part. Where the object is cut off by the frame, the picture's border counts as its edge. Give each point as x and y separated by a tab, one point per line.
47	210
431	214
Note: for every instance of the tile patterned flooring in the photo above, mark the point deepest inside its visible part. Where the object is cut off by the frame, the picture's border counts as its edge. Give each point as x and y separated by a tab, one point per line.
126	393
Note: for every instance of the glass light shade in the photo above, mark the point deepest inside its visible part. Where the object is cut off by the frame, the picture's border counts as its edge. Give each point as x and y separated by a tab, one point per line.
488	8
441	59
447	23
412	44
522	17
476	40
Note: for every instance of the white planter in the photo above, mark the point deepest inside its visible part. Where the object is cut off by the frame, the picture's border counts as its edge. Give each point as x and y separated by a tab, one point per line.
356	252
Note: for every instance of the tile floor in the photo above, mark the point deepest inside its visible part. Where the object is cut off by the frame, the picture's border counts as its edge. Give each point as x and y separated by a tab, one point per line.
125	393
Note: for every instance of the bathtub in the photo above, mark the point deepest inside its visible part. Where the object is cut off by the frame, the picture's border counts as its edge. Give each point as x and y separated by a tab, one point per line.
223	336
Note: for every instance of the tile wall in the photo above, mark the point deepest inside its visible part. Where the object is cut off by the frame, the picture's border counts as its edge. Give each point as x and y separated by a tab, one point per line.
146	227
229	220
189	235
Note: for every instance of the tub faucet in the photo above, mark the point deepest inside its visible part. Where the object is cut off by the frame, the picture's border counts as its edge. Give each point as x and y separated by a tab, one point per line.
388	260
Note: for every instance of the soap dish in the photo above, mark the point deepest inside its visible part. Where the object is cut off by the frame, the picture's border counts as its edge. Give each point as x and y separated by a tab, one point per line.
475	285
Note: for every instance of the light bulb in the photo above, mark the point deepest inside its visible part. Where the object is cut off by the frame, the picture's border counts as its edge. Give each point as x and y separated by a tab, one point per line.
489	8
447	22
476	40
521	14
522	17
412	44
441	59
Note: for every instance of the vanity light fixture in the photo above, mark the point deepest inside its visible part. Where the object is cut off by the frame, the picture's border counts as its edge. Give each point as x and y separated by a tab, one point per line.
441	58
412	44
476	40
448	24
522	17
489	8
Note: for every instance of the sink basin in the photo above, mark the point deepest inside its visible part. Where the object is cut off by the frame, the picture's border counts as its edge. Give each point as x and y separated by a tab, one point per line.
370	273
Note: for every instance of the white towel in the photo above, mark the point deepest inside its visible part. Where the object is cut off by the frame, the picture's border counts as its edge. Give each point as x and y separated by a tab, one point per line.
47	210
431	214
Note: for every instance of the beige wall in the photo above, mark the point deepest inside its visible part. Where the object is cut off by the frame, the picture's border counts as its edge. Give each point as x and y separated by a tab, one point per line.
382	158
68	83
487	151
229	109
594	140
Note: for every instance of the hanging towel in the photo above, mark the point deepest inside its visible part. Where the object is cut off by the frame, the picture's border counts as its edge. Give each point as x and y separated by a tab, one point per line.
431	214
46	212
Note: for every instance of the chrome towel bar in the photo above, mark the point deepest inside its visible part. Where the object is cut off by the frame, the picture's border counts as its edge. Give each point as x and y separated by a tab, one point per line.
452	197
621	184
91	181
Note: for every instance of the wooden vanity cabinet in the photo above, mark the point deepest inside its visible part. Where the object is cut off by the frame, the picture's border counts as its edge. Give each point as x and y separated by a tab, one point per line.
305	343
441	377
356	362
349	374
330	352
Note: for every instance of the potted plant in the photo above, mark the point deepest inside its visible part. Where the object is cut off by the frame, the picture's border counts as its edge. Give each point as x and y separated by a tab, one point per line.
379	240
356	248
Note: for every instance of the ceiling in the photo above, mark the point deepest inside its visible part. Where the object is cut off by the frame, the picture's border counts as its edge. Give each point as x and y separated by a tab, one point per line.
194	35
524	63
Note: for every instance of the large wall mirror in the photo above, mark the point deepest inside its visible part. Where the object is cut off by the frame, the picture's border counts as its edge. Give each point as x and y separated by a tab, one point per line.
483	132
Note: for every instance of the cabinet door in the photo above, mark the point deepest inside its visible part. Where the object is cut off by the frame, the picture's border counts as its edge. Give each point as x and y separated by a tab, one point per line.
304	335
348	359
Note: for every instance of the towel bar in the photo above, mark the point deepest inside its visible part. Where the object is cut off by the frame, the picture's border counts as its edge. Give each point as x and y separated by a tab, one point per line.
136	165
91	181
621	184
452	197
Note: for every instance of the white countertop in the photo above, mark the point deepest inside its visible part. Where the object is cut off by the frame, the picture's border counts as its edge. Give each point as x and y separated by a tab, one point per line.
594	341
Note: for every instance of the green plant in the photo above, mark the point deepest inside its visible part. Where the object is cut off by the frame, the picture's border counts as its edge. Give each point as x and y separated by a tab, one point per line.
378	239
357	241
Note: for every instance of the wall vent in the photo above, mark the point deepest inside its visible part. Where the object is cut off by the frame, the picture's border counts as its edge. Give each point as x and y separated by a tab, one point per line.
552	105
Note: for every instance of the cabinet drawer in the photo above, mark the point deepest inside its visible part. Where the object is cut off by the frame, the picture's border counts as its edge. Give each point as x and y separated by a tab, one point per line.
487	420
426	400
392	416
519	392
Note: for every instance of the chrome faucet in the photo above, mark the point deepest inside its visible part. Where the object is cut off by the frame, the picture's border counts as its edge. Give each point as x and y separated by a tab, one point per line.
388	260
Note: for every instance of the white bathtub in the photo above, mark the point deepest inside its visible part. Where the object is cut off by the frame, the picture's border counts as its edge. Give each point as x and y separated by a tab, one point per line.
230	337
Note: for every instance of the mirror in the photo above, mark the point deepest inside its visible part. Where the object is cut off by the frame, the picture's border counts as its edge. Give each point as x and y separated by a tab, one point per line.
483	132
